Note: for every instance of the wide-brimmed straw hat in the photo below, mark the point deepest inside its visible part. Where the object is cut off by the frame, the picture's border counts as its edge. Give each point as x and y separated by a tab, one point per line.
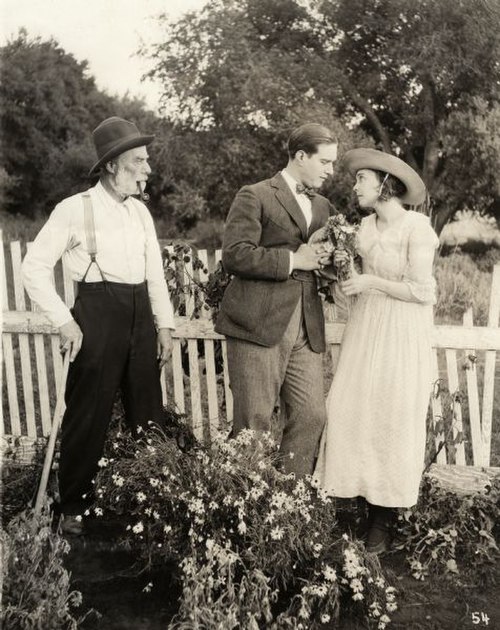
356	159
115	136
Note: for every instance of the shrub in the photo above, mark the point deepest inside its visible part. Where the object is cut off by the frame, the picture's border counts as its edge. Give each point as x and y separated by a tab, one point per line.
254	547
19	485
487	259
446	533
36	586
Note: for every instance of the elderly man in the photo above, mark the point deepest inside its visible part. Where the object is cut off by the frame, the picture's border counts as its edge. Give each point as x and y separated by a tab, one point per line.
118	334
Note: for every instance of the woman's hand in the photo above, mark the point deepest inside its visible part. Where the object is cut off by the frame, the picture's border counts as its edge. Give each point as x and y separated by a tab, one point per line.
357	284
340	257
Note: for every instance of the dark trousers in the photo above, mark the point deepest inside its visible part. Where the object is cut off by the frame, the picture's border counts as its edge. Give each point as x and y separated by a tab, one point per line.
118	352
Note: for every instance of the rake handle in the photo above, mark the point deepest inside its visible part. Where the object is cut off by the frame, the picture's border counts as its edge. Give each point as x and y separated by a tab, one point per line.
56	421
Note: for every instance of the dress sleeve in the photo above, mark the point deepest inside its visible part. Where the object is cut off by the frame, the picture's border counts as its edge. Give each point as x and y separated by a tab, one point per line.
418	275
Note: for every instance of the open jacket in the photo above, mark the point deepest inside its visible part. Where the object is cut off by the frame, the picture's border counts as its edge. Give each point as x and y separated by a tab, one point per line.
265	224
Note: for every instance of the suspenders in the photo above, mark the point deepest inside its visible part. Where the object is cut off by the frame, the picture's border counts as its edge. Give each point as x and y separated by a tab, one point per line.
88	218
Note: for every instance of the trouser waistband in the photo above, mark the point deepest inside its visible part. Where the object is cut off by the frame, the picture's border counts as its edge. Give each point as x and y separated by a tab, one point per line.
84	287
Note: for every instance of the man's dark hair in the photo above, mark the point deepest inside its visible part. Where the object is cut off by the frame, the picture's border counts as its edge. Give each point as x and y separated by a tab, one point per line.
391	186
307	138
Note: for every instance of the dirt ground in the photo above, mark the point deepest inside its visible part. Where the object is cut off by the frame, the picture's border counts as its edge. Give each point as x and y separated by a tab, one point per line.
440	603
103	572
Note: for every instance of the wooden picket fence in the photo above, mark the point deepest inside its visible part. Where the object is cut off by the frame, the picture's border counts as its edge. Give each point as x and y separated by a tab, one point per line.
197	381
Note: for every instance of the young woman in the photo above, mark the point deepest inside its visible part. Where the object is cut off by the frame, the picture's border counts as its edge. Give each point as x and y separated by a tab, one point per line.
373	444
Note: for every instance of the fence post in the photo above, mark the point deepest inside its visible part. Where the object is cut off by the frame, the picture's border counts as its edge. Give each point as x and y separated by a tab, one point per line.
489	367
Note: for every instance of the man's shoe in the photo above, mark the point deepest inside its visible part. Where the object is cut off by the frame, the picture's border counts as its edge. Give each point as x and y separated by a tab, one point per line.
72	525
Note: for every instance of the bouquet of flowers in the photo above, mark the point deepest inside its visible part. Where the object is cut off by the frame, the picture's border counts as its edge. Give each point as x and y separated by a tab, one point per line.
337	234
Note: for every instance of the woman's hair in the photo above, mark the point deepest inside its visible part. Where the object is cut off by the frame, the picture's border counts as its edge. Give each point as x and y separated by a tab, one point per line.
390	187
307	138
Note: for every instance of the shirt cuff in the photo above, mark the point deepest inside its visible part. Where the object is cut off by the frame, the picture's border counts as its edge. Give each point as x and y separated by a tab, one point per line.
165	319
291	263
60	317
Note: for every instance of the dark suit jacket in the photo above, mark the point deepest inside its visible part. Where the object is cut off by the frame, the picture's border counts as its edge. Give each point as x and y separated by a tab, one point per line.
264	224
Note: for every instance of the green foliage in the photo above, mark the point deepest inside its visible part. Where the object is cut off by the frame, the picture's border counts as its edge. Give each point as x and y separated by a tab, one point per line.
188	279
462	283
447	534
19	485
417	78
444	429
49	106
473	145
255	548
36	586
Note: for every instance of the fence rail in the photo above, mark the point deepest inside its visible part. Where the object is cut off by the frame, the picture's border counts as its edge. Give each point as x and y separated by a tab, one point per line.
196	380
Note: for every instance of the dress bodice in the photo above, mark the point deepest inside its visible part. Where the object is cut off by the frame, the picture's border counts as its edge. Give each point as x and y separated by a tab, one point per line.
402	252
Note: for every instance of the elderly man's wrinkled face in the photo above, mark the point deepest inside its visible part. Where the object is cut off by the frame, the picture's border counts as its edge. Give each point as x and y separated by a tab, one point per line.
129	171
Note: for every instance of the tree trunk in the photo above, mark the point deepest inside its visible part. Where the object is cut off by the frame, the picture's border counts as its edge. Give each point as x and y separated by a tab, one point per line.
364	106
431	161
431	149
440	217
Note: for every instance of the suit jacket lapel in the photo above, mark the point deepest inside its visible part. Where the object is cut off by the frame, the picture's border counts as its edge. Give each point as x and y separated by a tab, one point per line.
317	220
285	197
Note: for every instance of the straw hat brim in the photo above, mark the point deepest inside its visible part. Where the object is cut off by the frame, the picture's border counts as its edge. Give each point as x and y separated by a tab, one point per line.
120	147
356	159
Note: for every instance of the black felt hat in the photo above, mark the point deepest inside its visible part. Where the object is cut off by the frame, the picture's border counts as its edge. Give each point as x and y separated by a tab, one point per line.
115	136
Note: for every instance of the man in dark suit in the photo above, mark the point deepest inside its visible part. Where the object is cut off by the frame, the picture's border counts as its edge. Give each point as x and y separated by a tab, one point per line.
271	312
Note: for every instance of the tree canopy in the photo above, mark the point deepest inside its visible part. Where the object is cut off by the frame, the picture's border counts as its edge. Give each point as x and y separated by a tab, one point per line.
415	77
418	78
49	105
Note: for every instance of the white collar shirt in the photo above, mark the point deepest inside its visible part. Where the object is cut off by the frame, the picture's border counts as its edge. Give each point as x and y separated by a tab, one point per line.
127	252
304	202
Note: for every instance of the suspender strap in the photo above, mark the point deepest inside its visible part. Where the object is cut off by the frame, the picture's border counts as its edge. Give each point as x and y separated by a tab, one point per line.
88	219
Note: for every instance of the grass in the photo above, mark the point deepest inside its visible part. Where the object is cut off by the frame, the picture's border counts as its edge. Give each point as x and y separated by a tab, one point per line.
464	280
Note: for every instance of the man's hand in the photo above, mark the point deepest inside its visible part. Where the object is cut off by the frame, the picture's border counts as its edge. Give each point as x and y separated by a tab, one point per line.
71	338
309	258
164	346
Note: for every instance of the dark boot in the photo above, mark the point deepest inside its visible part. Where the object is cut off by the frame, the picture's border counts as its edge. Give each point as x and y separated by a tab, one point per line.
362	518
379	528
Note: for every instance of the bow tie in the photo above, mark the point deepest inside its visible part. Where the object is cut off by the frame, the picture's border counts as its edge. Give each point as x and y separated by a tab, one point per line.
302	189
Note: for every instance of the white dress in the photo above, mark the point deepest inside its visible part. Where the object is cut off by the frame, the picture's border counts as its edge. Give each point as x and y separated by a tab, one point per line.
373	444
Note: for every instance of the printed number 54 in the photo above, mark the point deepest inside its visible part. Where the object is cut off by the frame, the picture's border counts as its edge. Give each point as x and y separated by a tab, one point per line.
480	618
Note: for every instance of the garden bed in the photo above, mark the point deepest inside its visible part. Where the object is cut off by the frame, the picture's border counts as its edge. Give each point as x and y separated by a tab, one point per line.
186	537
434	604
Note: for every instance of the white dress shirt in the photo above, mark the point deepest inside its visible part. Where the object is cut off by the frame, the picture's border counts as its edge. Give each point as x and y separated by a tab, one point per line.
127	251
303	200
